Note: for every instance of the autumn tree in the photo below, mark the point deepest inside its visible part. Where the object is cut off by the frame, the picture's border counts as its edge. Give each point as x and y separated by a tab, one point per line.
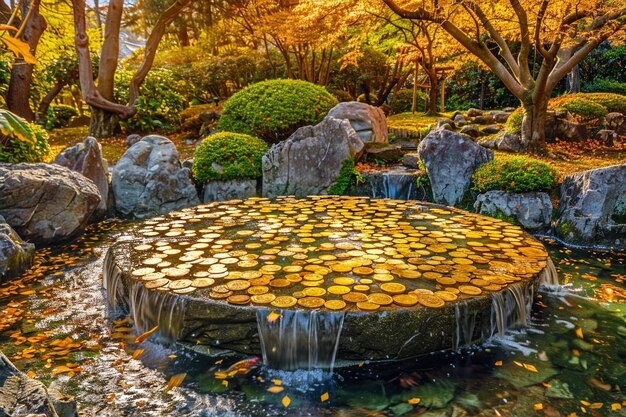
561	32
105	112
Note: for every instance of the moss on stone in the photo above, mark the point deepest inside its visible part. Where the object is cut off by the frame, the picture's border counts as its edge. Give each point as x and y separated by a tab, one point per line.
347	174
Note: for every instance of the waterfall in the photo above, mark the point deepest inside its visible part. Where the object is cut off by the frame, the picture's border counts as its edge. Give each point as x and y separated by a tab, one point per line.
299	339
511	308
396	185
151	308
111	277
549	276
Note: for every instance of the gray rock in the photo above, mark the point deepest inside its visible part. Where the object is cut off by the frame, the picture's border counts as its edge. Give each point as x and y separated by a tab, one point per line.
492	129
592	208
148	180
509	142
410	160
21	395
209	116
229	190
132	139
450	159
500	116
310	160
16	256
532	210
46	203
558	127
459	119
368	121
615	121
474	113
508	109
470	130
187	163
607	137
441	123
484	119
86	159
382	152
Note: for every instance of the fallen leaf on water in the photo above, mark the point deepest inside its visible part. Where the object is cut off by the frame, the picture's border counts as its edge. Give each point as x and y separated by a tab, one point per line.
498	363
596	406
60	370
530	368
324	397
175	381
275	389
579	333
414	401
277	382
273	316
616	407
286	401
137	354
146	335
538	406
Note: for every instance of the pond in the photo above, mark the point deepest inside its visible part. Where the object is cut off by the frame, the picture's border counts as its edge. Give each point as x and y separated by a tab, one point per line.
57	327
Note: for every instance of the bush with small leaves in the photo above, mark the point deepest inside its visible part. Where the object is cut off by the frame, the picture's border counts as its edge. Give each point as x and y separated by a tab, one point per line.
21	141
584	109
515	175
273	110
59	116
227	156
402	101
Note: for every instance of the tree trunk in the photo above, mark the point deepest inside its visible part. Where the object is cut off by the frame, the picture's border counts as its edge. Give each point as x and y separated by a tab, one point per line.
432	97
573	80
47	100
22	73
110	49
533	137
103	123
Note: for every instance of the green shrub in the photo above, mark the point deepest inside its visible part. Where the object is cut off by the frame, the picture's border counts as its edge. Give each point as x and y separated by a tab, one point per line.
59	116
584	108
612	102
606	86
273	110
21	141
159	103
342	95
238	155
513	124
373	98
402	101
515	175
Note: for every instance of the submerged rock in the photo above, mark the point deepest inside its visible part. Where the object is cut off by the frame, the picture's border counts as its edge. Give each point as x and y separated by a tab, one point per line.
309	162
592	209
369	122
450	159
382	152
149	180
16	256
46	203
531	210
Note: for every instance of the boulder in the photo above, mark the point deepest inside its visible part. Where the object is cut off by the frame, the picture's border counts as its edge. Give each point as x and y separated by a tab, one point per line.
443	122
592	208
500	116
484	119
382	152
474	113
533	211
470	130
24	396
132	139
86	159
368	121
410	160
450	159
148	180
615	121
509	142
46	203
559	127
16	256
309	161
238	189
607	137
492	129
459	119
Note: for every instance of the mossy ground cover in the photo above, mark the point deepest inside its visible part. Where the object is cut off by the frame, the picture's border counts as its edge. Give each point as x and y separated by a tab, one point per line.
414	122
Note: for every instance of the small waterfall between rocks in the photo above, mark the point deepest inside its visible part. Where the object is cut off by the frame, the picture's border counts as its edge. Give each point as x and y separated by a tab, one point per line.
299	339
395	185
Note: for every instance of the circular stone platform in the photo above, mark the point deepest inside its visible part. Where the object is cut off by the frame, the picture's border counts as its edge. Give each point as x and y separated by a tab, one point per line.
392	278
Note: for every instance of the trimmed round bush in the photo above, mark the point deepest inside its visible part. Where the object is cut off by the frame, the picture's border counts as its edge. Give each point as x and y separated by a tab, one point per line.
514	122
584	108
515	175
235	155
60	116
612	102
273	110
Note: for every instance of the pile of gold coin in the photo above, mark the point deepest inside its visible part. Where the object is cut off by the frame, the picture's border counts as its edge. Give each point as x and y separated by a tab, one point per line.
333	253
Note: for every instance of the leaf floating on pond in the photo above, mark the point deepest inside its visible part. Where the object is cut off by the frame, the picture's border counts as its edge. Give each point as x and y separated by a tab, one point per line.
175	381
146	335
286	401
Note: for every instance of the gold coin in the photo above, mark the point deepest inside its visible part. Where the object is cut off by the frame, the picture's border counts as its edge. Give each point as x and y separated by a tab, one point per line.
239	299
260	289
152	276
493	287
410	274
383	277
187	290
380	299
142	247
222	289
338	289
431	275
312	283
430	301
344	281
156	283
180	284
280	283
238	285
152	261
363	270
470	290
453	290
393	287
263	298
143	271
247	263
446	295
341	268
367	306
354	297
311	302
361	288
176	272
419	291
260	281
405	300
251	274
293	277
292	268
202	282
314	291
335	304
284	301
446	281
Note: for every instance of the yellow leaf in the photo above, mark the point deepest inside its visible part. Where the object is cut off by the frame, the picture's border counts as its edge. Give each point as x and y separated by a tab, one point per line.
616	407
538	406
221	375
579	333
583	402
498	363
277	382
19	47
595	406
275	389
324	397
273	316
286	401
530	368
175	381
146	335
225	383
414	401
137	354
